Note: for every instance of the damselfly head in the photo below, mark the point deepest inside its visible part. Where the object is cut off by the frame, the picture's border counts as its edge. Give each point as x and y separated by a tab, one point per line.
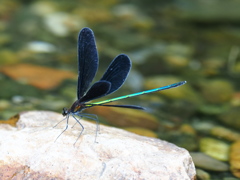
64	111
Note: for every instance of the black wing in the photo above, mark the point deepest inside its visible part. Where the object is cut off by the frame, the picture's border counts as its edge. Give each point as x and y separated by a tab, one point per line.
87	60
97	90
117	72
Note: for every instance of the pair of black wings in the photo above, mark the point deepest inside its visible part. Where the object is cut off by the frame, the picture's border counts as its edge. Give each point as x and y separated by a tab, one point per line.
113	78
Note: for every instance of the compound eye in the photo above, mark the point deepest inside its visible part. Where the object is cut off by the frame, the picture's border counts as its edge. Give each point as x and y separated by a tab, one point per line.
64	111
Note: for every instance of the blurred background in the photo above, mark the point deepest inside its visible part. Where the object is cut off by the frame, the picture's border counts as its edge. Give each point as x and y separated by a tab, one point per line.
167	41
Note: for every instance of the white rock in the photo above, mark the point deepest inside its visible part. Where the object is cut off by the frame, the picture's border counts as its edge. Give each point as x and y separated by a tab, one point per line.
29	152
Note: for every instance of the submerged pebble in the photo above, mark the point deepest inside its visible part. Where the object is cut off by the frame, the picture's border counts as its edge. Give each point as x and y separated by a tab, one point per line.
231	117
217	91
182	92
206	162
202	175
40	47
215	148
61	23
225	133
235	158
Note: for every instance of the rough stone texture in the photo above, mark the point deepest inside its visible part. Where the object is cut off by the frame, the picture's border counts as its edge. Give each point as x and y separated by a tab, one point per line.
29	152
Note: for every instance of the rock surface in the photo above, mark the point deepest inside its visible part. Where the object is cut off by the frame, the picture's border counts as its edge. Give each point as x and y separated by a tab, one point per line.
29	151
